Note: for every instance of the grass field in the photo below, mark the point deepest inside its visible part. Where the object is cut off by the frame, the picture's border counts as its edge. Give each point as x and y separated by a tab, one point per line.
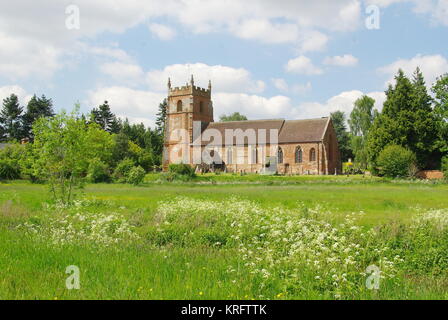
226	237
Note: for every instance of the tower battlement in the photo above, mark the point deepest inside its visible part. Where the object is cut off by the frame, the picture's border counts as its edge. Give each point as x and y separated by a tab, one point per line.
189	89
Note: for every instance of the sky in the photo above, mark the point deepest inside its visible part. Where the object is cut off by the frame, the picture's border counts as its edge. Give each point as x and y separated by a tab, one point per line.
291	59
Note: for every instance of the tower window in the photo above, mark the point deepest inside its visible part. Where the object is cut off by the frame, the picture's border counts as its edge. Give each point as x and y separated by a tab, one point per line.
179	106
201	106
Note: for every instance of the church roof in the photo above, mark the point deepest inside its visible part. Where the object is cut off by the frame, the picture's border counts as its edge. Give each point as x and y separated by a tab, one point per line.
289	131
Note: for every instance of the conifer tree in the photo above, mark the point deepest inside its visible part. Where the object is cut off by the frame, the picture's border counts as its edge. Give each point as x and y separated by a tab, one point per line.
11	119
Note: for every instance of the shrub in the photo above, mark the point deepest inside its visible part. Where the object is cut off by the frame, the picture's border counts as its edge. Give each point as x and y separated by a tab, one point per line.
182	169
445	166
122	169
98	171
9	170
136	175
10	158
396	161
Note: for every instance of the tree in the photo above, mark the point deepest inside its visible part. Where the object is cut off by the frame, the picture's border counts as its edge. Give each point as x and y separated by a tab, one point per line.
161	117
63	147
360	122
236	116
36	108
120	149
440	90
396	162
338	119
407	120
105	118
11	119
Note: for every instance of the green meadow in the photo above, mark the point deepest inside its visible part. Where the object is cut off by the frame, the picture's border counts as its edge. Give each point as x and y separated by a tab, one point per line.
227	237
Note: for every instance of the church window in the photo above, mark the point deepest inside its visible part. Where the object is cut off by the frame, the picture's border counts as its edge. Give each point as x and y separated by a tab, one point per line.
299	155
179	106
313	154
280	155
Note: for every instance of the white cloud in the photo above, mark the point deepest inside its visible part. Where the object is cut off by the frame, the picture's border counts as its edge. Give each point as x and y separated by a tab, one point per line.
224	79
123	72
436	9
162	32
341	102
302	65
280	84
253	106
36	42
432	66
20	57
347	60
297	88
265	31
21	93
301	88
313	41
127	102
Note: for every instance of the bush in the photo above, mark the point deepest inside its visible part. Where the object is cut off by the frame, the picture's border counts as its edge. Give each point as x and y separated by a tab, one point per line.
182	169
122	170
396	161
9	170
445	167
98	171
10	158
136	175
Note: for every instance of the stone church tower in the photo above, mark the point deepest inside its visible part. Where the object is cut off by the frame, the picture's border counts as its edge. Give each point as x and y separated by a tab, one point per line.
186	104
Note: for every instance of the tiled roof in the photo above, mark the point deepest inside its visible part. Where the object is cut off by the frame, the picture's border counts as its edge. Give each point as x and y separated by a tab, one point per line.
290	131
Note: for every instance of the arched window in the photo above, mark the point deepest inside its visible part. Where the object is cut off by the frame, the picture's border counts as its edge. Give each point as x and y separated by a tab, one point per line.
299	155
254	156
179	106
230	155
280	155
201	106
313	154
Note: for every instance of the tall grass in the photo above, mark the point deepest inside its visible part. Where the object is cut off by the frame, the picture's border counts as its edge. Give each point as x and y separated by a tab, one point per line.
226	242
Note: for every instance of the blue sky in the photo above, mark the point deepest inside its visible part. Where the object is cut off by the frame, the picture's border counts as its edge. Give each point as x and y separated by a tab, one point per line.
266	59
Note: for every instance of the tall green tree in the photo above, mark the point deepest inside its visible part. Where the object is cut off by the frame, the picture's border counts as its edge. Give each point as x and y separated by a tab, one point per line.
104	117
407	120
63	147
236	116
161	117
338	119
11	119
440	90
360	122
36	108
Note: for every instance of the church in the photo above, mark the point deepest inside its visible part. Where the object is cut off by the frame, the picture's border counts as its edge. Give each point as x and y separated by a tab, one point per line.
302	147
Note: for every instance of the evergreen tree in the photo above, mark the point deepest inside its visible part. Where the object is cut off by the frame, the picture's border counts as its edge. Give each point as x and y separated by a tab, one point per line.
360	122
440	90
11	119
36	108
407	120
338	119
104	117
161	117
